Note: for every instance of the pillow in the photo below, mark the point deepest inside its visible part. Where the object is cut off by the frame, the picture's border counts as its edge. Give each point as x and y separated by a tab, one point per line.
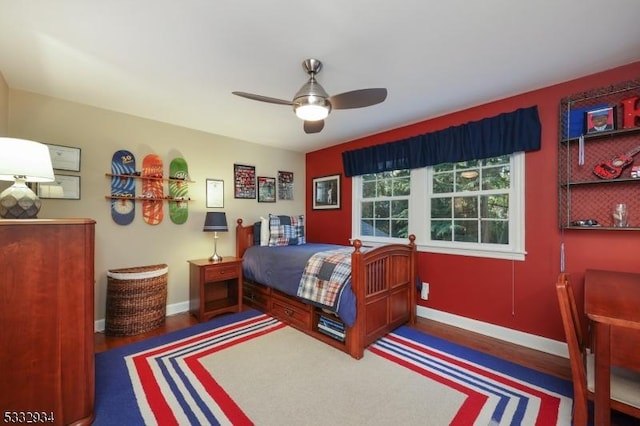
286	230
256	233
264	231
261	232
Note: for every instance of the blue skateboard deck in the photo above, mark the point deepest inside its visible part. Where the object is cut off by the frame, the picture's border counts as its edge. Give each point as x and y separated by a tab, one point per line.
123	208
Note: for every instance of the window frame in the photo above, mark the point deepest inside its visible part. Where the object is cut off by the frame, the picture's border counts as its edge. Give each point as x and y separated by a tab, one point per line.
419	213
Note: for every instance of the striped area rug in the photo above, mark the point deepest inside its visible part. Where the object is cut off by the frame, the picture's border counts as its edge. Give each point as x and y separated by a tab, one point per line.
249	368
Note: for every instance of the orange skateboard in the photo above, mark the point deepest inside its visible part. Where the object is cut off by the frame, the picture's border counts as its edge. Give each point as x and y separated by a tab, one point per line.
152	189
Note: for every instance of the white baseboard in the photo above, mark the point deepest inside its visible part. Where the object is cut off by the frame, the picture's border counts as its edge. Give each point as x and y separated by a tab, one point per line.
513	336
531	341
175	308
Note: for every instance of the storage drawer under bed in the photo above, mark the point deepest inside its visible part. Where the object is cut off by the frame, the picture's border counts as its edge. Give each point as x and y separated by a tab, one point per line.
291	311
255	296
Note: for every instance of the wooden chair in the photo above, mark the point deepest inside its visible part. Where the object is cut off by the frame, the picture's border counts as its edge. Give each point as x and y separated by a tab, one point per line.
625	384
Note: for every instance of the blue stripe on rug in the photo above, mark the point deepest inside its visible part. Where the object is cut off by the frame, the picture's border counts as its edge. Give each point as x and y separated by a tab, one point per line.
116	403
547	381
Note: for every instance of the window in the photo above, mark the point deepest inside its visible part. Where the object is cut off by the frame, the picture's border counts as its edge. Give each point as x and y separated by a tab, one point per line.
474	208
384	207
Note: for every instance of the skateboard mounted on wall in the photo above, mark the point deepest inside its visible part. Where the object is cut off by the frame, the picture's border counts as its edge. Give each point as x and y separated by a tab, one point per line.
123	187
178	191
152	189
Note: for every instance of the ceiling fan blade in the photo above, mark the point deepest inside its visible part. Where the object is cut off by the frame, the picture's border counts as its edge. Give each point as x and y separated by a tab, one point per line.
263	98
358	98
313	126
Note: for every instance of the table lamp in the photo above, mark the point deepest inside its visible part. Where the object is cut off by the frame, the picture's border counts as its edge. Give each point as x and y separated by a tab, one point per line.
215	222
22	161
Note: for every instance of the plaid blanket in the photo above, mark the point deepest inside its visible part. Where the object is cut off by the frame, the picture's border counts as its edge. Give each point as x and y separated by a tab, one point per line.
324	277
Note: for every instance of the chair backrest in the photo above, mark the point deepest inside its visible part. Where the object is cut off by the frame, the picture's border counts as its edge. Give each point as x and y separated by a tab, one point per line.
575	343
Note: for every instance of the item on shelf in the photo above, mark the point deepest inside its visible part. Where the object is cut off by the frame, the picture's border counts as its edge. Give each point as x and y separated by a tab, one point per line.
620	216
178	191
635	172
331	327
152	189
123	189
631	112
585	222
612	169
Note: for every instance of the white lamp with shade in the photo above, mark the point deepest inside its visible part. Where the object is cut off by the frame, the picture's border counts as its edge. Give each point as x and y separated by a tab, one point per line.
22	161
215	222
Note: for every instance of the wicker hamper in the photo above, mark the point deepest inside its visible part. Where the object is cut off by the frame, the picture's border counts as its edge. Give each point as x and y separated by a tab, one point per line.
136	299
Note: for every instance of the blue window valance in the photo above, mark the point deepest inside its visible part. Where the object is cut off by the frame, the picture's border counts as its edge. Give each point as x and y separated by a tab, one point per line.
503	134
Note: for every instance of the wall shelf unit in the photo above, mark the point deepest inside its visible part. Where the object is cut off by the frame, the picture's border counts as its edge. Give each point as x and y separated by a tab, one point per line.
584	196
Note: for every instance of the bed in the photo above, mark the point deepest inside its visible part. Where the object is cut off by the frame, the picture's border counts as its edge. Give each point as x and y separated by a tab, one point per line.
380	291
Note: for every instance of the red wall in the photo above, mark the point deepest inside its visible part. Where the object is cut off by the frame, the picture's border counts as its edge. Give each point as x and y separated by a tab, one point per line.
515	294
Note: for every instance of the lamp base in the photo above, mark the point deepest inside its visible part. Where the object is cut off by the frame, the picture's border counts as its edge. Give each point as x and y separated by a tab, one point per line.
19	202
215	258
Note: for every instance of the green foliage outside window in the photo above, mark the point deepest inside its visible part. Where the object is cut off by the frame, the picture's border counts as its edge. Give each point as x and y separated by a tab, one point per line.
470	201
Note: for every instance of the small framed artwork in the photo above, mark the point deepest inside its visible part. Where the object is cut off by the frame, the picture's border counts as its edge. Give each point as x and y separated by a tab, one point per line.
215	193
266	189
64	157
326	192
64	187
285	185
600	120
244	181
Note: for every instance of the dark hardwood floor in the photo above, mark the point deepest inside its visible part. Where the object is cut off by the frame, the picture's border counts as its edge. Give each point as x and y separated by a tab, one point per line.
537	360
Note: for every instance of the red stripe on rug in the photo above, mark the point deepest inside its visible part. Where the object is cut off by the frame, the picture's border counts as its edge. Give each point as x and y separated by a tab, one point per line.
155	398
473	403
228	406
549	405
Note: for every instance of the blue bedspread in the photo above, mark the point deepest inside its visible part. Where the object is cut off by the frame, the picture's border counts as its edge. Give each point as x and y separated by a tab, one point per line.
282	267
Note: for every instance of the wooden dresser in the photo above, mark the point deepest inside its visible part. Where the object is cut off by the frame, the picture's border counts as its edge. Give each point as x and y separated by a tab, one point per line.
46	321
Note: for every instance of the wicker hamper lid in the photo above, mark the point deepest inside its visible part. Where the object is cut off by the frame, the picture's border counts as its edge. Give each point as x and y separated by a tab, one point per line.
138	273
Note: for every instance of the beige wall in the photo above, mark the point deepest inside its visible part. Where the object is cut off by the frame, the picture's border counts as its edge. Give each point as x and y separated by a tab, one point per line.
4	106
99	133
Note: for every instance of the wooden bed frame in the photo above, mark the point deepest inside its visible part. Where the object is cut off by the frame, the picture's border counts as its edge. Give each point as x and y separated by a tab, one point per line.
383	280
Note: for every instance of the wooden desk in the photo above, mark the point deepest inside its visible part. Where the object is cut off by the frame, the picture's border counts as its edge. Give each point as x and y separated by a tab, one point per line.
612	303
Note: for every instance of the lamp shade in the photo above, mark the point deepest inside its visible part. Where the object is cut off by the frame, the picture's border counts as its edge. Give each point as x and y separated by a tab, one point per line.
27	159
215	222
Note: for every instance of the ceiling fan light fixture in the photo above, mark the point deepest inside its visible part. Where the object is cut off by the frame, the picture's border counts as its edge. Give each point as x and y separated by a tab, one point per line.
311	108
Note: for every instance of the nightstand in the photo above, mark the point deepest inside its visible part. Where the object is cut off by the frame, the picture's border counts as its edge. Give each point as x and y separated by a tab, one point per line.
215	287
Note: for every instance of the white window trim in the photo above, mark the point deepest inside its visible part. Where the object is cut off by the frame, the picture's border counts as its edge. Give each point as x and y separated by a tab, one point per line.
419	208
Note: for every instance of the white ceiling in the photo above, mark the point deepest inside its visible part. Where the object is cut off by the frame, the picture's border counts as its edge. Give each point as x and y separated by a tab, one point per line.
179	61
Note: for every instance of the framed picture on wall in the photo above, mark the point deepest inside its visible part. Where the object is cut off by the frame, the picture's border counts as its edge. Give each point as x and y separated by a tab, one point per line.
326	192
266	189
64	157
244	181
285	185
215	193
600	120
64	187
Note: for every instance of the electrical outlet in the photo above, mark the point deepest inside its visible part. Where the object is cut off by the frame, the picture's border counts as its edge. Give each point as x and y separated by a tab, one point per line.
424	292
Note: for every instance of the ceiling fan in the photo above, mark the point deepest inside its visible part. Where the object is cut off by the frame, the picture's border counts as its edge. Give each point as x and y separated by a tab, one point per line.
312	104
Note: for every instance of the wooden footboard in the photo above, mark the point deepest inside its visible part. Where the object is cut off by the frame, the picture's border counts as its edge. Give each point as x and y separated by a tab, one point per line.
383	280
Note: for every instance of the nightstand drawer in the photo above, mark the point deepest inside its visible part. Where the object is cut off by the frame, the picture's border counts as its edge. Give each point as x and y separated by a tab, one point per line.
219	273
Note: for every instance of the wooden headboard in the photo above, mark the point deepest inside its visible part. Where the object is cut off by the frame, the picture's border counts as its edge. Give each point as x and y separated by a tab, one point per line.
244	238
